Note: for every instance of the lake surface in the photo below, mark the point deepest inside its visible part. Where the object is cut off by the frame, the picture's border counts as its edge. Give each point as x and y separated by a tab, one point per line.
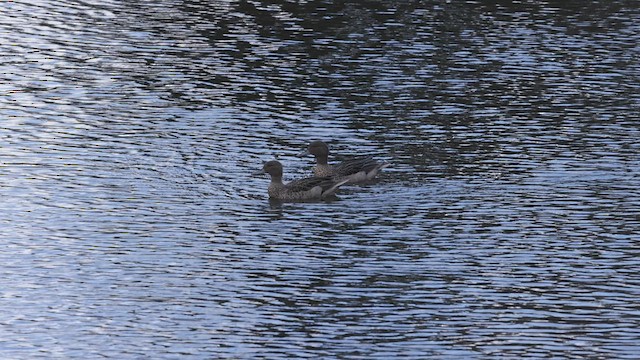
507	226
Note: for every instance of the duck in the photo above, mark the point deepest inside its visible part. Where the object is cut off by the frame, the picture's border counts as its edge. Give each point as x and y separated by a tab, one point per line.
310	188
355	170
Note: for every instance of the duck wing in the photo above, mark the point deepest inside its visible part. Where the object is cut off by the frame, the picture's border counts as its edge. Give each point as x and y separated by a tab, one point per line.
356	165
309	183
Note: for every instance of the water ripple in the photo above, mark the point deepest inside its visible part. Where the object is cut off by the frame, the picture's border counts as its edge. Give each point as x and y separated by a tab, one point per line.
132	225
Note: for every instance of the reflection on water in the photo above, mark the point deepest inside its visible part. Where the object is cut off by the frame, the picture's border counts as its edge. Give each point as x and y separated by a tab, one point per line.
506	226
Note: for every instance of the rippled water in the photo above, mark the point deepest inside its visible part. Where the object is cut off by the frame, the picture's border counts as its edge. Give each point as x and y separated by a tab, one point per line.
507	227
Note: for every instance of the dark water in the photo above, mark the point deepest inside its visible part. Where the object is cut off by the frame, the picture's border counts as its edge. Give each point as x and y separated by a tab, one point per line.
508	225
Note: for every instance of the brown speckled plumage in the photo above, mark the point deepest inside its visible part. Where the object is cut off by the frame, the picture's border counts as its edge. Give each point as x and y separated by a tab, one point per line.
355	170
302	189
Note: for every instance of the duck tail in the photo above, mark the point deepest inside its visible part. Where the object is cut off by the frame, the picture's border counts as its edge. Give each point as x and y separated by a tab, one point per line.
334	188
383	165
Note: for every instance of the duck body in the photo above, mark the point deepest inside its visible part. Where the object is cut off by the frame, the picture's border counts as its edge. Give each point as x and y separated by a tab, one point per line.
311	188
355	170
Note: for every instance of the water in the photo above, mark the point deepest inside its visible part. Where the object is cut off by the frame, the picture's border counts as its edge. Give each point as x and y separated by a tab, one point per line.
507	226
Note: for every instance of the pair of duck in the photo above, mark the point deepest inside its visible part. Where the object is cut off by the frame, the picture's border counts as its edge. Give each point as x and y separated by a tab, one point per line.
327	179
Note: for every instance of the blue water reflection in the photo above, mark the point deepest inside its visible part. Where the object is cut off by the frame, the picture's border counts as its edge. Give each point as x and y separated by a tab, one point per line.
507	225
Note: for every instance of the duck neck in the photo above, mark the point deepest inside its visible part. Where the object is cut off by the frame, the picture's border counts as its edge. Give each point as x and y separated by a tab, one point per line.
276	179
321	159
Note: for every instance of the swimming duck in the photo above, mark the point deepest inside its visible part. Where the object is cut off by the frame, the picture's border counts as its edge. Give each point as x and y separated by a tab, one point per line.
302	189
354	170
